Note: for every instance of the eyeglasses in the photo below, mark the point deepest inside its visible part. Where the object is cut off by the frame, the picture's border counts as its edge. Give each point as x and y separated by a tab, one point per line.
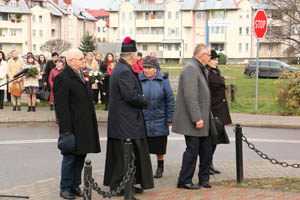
208	54
80	59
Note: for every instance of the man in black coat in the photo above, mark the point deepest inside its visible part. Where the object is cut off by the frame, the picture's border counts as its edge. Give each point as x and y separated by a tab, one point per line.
75	111
126	120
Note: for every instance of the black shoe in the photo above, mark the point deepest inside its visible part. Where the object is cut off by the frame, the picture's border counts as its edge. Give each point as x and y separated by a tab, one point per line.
106	107
205	184
14	108
159	172
138	190
29	109
51	107
67	195
33	108
77	192
1	106
19	108
189	186
215	170
211	172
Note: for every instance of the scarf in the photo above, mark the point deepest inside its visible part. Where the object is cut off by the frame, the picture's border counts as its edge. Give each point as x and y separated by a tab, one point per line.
109	70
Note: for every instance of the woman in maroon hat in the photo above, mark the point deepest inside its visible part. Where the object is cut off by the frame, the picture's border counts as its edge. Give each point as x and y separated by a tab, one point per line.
219	105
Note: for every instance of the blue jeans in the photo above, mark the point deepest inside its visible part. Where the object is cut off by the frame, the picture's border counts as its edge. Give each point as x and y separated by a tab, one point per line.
71	168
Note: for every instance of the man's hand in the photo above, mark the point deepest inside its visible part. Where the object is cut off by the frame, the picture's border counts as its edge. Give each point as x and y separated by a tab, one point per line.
199	124
169	124
45	83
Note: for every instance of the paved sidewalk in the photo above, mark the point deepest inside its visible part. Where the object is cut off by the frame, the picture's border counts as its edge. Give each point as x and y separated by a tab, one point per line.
165	188
43	114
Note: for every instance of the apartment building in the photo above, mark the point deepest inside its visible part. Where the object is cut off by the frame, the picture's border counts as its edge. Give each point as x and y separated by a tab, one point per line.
102	24
172	28
14	20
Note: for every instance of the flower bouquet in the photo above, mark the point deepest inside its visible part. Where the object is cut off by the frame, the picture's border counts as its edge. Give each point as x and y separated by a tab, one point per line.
33	71
93	77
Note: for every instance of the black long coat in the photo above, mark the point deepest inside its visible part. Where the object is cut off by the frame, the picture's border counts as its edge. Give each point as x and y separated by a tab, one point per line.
125	116
219	104
75	111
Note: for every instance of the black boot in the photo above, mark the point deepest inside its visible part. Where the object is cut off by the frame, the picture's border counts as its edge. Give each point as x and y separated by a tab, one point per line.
29	109
51	107
160	169
212	168
14	108
33	108
19	108
106	107
1	106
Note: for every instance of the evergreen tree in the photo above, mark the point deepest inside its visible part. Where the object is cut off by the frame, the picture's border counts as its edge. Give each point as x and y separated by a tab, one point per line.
87	43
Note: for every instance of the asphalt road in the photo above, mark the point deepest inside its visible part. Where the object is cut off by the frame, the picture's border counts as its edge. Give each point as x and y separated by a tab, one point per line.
28	151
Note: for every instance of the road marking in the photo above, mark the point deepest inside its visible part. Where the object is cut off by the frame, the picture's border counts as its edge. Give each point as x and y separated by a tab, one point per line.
40	141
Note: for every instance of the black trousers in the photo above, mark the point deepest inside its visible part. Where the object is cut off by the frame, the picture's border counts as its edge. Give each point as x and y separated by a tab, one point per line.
195	146
1	97
95	95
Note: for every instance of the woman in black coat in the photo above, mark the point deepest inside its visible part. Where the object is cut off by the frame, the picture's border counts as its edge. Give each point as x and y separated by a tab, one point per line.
219	105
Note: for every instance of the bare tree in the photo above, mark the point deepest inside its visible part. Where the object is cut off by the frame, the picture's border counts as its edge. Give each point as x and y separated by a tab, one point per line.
285	24
56	45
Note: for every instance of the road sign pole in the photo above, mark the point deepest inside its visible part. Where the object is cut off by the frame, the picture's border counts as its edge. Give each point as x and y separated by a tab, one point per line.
257	72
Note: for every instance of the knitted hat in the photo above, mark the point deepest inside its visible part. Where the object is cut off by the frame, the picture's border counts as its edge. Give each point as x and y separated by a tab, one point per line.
128	45
150	61
214	54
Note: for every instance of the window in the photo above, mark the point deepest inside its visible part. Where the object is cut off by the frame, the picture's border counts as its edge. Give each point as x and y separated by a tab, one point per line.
247	47
217	30
13	32
240	47
145	47
241	14
159	47
212	30
169	47
4	16
247	14
247	30
241	30
147	16
169	15
177	15
103	29
41	33
33	33
218	14
34	47
177	31
33	18
41	48
99	29
40	19
14	47
177	46
200	15
13	3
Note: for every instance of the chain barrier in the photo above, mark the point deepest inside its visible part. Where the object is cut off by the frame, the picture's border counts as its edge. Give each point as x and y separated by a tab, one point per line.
266	157
90	183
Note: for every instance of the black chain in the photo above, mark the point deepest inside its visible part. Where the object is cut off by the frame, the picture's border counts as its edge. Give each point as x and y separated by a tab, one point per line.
266	157
90	182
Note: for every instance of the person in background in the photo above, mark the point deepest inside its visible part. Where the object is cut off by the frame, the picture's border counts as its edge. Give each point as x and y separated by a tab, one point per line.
126	121
42	62
105	68
138	67
49	66
93	65
31	83
64	59
3	73
219	104
15	65
54	72
117	57
159	113
76	115
8	96
98	57
193	119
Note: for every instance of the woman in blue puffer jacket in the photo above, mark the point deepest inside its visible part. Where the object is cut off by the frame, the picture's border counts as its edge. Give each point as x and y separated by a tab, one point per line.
159	114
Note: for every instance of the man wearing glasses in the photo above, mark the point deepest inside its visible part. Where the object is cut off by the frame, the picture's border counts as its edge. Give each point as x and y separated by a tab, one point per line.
75	111
192	119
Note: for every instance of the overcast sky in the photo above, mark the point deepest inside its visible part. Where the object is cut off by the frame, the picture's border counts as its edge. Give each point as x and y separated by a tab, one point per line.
91	4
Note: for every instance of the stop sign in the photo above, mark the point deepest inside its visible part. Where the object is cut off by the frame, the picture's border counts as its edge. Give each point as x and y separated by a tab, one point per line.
260	24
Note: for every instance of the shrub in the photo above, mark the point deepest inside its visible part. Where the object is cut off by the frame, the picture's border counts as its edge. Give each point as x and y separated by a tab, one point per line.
294	61
289	96
222	59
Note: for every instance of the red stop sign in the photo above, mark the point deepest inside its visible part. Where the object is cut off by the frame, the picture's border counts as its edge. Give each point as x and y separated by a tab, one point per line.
260	24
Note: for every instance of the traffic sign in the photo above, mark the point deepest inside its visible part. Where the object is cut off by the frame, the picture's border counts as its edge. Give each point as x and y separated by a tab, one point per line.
260	24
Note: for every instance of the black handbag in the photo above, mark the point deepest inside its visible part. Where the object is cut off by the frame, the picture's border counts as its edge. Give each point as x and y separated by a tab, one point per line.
66	143
43	94
222	135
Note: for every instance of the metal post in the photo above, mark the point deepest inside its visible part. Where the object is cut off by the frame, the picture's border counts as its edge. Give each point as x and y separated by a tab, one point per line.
87	188
257	72
129	187
239	154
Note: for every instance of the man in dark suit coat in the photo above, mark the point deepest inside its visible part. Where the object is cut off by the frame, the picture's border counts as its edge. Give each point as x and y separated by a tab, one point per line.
126	120
75	111
193	119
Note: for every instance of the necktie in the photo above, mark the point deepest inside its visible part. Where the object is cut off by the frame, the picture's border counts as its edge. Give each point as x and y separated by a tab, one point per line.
81	76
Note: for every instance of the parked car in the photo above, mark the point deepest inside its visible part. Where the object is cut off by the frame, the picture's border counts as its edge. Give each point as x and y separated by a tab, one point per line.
268	68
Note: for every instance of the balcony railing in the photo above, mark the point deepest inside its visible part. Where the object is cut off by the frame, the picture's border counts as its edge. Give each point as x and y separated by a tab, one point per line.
149	23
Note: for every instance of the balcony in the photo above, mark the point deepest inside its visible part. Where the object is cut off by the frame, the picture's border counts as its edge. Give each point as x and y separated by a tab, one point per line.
10	24
171	54
149	38
149	23
11	39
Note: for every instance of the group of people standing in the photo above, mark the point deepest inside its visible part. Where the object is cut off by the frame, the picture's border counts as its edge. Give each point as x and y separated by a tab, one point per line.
142	108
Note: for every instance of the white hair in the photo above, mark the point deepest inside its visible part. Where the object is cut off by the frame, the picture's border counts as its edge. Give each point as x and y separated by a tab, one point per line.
71	52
